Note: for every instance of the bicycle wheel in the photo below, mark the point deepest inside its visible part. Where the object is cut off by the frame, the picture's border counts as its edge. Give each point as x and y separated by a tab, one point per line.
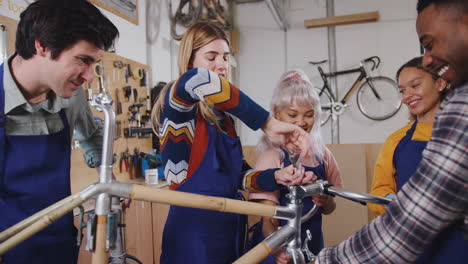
381	103
326	104
187	13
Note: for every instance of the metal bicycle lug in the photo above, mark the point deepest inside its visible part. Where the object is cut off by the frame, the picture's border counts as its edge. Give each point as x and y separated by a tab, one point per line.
91	231
305	247
101	100
111	233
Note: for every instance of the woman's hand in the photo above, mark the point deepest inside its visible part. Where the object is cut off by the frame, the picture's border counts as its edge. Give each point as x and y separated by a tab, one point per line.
281	133
292	176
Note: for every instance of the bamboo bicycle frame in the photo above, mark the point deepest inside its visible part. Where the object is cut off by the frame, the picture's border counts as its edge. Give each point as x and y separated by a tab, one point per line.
363	74
106	188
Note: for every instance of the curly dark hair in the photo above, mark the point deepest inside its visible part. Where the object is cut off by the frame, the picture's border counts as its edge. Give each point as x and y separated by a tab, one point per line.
460	6
59	24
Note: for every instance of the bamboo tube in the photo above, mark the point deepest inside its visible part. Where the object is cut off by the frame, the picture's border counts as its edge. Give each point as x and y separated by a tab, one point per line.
99	254
40	224
201	201
28	221
255	255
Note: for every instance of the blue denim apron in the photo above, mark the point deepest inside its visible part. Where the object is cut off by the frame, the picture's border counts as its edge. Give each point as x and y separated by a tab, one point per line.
200	236
449	246
314	225
35	173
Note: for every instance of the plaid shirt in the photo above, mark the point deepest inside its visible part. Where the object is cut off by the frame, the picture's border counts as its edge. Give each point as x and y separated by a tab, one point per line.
434	198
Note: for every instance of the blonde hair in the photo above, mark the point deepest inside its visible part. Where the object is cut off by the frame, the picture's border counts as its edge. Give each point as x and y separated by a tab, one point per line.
197	36
295	86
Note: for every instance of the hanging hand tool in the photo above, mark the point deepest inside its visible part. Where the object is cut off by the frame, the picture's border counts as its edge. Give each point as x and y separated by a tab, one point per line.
99	72
135	110
127	92
90	92
118	129
137	74
144	82
118	104
135	95
129	69
128	72
123	160
126	75
118	64
4	52
136	163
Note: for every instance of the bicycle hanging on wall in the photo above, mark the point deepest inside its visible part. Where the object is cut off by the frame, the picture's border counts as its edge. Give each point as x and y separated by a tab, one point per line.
378	97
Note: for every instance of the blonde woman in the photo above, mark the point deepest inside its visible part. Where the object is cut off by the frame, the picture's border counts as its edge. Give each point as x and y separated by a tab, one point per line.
202	154
296	101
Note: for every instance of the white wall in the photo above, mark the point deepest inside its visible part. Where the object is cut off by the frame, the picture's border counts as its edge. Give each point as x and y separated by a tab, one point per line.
266	52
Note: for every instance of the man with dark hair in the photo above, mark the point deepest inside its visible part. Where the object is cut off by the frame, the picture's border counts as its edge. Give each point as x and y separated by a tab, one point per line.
41	104
435	199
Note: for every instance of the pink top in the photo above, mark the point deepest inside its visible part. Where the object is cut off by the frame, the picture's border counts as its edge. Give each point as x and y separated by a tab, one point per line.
271	158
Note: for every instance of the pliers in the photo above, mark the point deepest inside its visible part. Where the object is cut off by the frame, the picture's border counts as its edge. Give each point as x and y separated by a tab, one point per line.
123	159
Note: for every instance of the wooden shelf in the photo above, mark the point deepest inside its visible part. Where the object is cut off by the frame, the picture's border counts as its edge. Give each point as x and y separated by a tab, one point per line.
342	20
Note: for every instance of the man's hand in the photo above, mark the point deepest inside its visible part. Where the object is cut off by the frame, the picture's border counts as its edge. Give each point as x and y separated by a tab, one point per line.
292	176
326	202
321	200
125	203
281	257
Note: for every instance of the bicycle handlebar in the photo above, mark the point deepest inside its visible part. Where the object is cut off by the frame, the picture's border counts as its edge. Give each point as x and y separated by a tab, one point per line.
375	62
361	198
317	62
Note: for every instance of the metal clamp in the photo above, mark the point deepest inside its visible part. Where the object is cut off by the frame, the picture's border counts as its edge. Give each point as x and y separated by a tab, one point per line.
91	232
305	246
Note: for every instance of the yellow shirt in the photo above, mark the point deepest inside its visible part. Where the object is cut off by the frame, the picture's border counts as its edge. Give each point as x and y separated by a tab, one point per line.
384	181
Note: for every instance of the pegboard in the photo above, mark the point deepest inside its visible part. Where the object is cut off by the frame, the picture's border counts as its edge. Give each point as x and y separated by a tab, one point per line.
122	79
11	26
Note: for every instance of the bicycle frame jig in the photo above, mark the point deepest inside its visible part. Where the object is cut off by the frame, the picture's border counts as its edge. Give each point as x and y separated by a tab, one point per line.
106	188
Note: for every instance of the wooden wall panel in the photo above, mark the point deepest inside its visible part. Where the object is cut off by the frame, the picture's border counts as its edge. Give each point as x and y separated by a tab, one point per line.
348	216
11	26
139	231
160	212
372	153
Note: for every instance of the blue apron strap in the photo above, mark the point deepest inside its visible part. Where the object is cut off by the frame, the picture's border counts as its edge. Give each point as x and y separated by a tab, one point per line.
2	124
411	130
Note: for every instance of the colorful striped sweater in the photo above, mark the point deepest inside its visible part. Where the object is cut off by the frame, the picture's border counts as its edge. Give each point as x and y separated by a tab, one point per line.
178	122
